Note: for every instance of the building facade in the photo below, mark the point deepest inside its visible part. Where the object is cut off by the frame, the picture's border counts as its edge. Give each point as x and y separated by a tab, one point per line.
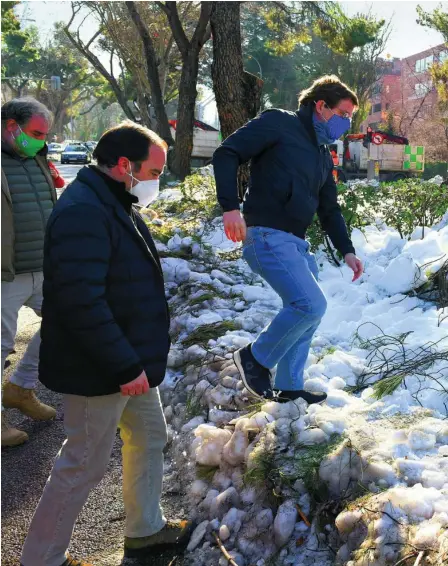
404	95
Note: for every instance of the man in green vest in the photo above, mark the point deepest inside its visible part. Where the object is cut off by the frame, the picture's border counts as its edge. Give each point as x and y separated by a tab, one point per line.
28	197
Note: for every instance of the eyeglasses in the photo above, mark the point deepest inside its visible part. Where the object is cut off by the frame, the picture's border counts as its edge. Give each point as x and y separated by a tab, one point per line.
339	113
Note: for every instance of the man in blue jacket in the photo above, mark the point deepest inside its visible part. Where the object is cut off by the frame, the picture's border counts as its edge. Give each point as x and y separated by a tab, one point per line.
291	179
104	346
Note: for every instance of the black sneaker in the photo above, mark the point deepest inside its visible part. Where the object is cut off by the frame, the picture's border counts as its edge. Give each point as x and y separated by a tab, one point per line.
256	378
310	398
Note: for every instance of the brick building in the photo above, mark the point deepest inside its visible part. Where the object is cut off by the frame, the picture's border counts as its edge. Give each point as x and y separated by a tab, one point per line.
405	91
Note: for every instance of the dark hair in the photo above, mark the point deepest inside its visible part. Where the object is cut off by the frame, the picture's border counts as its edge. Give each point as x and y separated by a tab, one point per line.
328	88
23	109
128	139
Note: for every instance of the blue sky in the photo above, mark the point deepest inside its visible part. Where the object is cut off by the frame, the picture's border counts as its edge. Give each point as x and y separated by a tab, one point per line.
406	39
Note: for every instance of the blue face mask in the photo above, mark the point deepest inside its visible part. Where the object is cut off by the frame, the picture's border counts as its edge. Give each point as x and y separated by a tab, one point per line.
331	130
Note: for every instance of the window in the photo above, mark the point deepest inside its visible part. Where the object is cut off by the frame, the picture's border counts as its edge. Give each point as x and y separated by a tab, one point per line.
443	56
361	129
387	88
377	88
377	107
422	65
387	105
422	89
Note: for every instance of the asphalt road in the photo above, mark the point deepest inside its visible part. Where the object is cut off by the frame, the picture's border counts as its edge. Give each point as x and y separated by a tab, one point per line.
98	533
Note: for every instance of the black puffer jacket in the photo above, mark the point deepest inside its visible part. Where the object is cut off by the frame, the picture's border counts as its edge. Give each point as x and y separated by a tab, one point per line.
104	314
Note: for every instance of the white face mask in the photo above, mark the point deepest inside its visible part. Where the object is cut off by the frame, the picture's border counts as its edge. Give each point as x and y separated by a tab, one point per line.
145	191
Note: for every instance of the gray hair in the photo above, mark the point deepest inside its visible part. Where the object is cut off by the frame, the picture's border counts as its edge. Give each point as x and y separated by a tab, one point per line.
23	109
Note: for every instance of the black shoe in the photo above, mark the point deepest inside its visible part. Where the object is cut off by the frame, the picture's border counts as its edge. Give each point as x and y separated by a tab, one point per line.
175	534
310	398
256	378
70	561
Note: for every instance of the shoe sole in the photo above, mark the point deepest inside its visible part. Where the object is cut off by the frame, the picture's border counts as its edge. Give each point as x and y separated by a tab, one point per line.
142	553
239	365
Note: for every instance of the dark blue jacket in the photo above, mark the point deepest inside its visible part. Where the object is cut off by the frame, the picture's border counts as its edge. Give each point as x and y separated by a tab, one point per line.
104	313
291	176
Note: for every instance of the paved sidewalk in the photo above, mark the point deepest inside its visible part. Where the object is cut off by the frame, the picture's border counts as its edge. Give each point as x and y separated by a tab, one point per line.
98	533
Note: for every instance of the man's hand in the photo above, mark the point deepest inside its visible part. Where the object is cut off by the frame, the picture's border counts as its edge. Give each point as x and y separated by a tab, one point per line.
54	173
355	265
136	387
234	226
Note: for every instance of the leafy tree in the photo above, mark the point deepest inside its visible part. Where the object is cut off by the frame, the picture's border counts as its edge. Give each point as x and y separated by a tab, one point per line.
79	83
18	50
437	20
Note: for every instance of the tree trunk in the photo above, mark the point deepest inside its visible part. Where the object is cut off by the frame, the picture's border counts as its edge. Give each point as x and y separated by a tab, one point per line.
185	117
237	93
153	75
189	49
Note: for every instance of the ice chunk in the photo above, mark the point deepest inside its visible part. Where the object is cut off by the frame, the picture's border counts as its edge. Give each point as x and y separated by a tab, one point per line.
264	519
284	522
234	451
346	521
193	423
419	440
197	536
209	451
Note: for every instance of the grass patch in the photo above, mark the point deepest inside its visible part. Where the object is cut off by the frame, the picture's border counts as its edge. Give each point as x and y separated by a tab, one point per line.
202	334
193	407
326	352
277	469
201	299
162	233
205	473
180	254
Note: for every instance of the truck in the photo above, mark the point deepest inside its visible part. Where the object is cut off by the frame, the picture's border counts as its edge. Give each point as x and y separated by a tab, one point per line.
390	157
205	140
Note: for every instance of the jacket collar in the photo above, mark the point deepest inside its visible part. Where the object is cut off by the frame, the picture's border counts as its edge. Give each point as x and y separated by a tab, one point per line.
305	114
94	181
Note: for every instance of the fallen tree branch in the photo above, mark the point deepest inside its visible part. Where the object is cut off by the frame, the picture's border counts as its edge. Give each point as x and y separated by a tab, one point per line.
223	549
405	558
419	558
303	516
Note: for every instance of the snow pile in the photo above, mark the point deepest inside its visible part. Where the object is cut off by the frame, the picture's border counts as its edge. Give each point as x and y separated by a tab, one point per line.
363	476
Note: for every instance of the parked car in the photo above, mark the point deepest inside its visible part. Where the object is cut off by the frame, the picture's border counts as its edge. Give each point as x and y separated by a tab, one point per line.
76	154
91	145
54	147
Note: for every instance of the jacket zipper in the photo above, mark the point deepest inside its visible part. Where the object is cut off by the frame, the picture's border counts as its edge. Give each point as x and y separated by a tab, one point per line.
36	194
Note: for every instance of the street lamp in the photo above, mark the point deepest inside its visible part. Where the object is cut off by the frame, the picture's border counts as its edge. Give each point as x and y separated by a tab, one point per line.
258	62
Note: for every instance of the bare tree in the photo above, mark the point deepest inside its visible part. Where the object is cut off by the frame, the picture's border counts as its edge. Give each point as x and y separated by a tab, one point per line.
189	50
85	49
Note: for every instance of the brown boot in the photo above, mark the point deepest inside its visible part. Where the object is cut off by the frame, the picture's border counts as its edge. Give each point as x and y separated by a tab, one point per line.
15	397
11	436
174	534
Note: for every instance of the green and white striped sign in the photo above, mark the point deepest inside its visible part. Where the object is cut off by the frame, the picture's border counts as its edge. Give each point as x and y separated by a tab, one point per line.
414	158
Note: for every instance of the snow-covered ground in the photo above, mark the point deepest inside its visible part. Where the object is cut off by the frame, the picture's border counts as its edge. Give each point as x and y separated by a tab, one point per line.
386	474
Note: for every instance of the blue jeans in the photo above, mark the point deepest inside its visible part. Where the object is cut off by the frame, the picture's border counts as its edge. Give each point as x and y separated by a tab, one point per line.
284	261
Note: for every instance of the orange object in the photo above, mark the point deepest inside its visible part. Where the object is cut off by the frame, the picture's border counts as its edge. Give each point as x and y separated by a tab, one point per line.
58	181
303	516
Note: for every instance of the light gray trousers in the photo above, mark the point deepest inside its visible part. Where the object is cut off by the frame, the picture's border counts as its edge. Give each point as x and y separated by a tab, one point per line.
26	289
91	424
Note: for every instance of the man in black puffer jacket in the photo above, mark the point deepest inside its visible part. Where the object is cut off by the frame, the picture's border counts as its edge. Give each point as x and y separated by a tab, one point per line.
105	344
